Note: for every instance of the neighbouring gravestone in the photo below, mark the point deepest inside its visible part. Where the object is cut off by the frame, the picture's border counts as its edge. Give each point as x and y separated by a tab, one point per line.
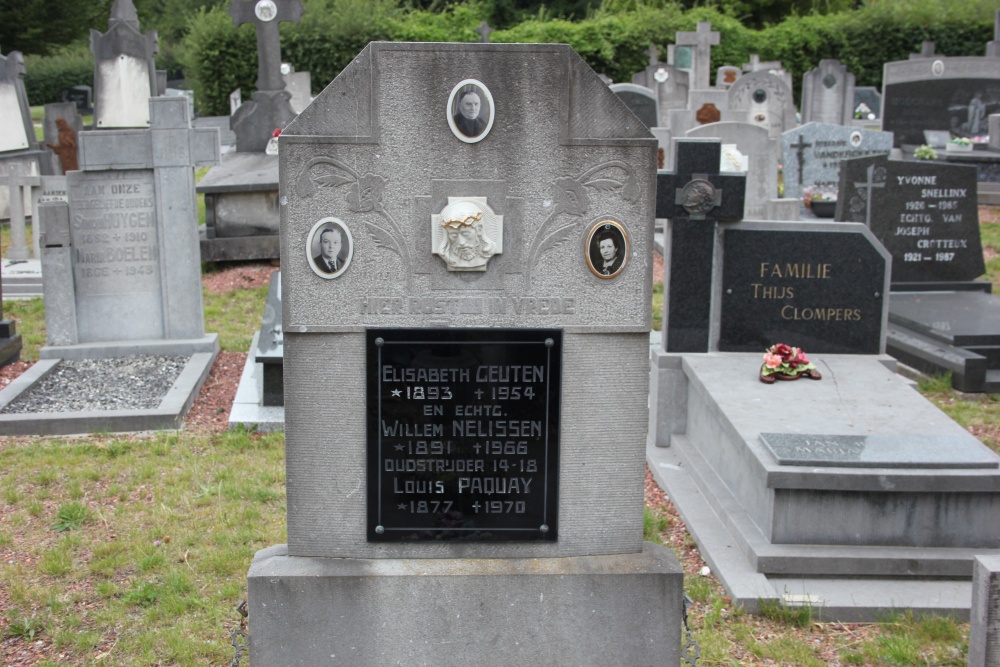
60	128
18	185
762	153
924	213
700	42
260	397
984	621
765	100
812	155
640	100
772	67
828	94
789	504
241	194
953	94
124	70
19	151
299	85
993	46
124	261
454	295
81	96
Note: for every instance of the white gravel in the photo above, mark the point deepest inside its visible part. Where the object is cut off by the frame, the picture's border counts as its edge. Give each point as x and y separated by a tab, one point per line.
125	383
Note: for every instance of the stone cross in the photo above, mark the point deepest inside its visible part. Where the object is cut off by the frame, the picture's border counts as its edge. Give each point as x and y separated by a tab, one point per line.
800	149
694	197
171	148
867	186
993	47
484	31
654	54
19	184
926	51
702	40
267	14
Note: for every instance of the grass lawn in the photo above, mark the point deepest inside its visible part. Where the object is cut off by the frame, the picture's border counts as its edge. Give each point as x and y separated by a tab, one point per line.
133	550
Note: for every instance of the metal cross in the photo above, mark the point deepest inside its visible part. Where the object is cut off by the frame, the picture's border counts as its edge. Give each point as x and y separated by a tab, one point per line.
267	14
801	147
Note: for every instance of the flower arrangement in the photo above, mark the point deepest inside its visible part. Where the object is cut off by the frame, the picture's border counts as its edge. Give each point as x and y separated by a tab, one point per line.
815	193
863	112
784	362
961	141
925	152
961	144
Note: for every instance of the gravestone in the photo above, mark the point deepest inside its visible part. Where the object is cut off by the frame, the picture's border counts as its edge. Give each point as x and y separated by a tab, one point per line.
124	70
60	128
772	67
867	107
926	51
953	94
927	217
984	622
828	94
81	96
694	198
835	499
762	152
993	46
260	397
701	42
241	194
299	84
765	100
812	155
18	148
120	268
640	100
475	302
18	185
726	76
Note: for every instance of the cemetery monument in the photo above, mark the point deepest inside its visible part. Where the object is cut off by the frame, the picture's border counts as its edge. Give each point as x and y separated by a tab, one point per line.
455	295
844	490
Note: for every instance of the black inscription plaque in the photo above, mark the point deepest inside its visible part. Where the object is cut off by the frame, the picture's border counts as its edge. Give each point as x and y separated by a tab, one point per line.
463	434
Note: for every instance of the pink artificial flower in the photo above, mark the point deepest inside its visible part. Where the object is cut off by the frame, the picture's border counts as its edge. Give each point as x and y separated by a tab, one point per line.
772	361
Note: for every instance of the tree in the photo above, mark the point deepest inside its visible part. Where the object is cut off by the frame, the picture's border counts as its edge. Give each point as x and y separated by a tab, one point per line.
42	26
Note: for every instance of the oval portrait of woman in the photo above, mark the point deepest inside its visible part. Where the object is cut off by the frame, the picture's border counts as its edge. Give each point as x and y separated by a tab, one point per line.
607	249
329	248
470	111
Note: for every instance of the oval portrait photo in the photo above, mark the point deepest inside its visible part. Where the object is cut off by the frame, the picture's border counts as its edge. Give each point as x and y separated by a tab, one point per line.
607	249
470	111
329	247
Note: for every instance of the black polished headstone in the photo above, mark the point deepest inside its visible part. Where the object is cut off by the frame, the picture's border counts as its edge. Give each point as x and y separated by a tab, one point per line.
694	197
961	319
911	107
820	291
924	213
463	434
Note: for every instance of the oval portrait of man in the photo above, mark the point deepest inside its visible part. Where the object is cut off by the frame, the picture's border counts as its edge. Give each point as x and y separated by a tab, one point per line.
470	111
607	249
329	248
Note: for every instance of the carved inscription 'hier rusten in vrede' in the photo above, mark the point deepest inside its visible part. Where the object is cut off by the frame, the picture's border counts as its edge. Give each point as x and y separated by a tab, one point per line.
463	434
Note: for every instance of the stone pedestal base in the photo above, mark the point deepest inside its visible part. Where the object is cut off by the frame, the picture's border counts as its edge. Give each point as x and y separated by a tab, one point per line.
595	610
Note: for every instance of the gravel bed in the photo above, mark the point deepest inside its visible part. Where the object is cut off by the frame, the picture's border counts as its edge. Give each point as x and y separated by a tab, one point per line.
125	383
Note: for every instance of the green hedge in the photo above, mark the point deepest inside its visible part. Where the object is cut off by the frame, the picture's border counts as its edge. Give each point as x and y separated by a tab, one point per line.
218	57
47	76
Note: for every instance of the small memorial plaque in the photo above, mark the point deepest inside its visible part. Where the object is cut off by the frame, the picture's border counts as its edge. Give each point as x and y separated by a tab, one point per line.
878	451
463	434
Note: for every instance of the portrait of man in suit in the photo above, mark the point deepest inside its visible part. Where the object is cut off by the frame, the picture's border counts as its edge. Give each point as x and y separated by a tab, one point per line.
330	248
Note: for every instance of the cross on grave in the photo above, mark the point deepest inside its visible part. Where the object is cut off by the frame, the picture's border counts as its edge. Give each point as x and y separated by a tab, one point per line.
926	51
695	197
703	39
172	149
866	187
18	182
654	54
800	149
484	31
267	14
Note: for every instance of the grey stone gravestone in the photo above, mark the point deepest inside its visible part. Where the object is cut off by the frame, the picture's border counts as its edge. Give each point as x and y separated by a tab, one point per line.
694	197
762	151
765	100
260	397
984	622
299	84
926	51
726	76
993	46
19	185
812	154
15	118
701	41
640	100
772	67
124	70
828	94
404	300
953	94
671	87
134	273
